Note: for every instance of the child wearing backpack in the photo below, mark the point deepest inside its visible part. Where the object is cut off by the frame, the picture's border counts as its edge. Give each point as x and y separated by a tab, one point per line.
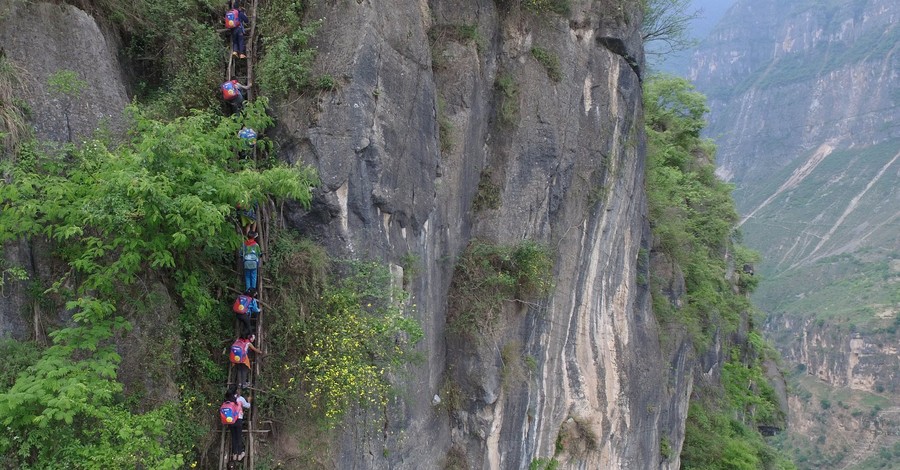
247	142
245	309
235	19
232	93
251	254
231	414
239	355
247	215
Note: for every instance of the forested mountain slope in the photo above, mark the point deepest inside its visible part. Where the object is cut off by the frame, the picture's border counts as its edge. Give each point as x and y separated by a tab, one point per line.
805	110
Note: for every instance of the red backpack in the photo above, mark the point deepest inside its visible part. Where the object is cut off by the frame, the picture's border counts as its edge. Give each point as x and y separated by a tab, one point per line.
229	90
232	19
238	353
242	304
229	412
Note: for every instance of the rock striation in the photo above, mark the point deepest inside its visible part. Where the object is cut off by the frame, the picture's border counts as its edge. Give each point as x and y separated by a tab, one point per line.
422	116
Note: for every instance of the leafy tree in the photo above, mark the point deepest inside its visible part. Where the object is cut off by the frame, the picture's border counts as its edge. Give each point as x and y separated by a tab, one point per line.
693	218
160	203
665	26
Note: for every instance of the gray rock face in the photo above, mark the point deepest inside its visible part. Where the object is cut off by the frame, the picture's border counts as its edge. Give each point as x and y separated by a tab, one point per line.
401	147
855	361
47	38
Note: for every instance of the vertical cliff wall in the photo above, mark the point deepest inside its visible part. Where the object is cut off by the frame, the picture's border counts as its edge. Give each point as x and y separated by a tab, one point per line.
422	115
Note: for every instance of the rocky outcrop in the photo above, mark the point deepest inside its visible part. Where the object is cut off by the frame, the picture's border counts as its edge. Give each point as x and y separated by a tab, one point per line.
423	114
46	39
838	357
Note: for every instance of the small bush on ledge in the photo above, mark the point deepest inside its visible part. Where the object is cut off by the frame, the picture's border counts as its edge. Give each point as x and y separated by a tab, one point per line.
488	275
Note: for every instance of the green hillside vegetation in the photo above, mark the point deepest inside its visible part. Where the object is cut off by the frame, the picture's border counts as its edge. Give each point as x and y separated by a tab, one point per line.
835	447
160	208
854	288
157	206
841	175
692	216
147	225
144	229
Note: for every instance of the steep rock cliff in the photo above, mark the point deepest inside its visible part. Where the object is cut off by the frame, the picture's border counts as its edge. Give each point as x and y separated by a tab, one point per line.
419	119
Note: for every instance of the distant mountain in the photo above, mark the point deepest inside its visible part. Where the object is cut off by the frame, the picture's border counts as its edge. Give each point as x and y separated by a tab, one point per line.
805	109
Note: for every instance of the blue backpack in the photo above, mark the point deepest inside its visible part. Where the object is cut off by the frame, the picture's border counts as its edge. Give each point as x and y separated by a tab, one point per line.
247	133
238	354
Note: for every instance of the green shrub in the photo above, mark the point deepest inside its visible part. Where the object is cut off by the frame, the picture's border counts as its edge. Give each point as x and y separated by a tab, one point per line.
340	328
560	7
544	464
439	35
487	196
715	440
18	356
286	61
445	126
326	83
13	128
508	108
550	62
488	275
356	333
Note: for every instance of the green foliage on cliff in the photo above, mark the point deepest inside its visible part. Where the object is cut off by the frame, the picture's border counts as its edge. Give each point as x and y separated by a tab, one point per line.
179	48
550	62
715	440
692	217
13	128
559	7
691	212
488	275
174	48
340	329
287	59
159	205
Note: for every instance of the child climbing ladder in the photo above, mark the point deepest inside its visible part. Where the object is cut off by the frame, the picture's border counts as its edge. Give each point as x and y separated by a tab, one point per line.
233	453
